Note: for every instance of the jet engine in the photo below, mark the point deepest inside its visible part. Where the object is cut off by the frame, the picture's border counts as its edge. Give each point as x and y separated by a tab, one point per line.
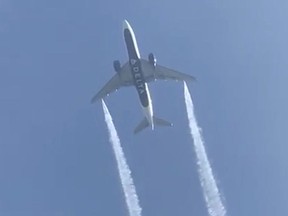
152	60
117	66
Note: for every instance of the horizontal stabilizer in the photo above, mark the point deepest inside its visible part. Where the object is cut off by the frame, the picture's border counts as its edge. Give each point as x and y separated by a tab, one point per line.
142	125
156	121
161	122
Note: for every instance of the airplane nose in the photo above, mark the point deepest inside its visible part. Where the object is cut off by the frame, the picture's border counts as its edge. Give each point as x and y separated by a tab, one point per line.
125	24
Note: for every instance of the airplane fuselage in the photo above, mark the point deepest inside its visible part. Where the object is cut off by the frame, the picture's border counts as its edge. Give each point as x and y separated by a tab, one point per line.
137	73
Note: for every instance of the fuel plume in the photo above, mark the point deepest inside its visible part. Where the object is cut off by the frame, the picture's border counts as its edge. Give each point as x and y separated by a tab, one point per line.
126	179
211	192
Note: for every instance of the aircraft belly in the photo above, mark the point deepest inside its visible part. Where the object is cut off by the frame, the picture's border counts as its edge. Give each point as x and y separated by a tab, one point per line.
139	81
148	114
131	45
135	66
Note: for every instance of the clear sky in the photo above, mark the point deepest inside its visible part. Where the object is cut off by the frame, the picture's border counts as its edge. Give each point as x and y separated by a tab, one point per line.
55	156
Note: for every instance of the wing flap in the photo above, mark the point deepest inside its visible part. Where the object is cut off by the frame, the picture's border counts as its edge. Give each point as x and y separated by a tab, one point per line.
112	85
123	78
152	73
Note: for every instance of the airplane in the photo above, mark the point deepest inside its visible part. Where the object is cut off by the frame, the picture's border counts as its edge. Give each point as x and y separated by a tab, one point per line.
138	72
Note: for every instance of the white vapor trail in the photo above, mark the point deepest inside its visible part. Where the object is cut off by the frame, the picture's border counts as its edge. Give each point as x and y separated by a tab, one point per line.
128	186
210	190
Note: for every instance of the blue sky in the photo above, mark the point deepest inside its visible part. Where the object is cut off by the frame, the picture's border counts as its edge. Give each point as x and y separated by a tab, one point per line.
55	157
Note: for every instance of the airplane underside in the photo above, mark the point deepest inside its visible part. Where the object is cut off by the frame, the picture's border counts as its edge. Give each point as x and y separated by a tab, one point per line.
138	72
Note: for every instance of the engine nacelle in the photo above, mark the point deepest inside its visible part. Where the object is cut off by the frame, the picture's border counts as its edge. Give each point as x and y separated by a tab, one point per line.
117	66
152	60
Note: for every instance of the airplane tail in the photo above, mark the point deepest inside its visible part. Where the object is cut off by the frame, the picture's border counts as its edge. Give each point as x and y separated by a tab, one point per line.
157	121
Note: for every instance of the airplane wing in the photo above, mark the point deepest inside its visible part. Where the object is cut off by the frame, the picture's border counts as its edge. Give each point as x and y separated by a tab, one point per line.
122	78
161	72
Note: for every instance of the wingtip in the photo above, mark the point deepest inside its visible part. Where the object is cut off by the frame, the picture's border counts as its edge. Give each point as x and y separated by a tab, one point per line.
192	78
94	99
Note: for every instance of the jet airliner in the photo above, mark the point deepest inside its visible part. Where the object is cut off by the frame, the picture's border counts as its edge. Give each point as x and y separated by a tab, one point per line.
138	72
